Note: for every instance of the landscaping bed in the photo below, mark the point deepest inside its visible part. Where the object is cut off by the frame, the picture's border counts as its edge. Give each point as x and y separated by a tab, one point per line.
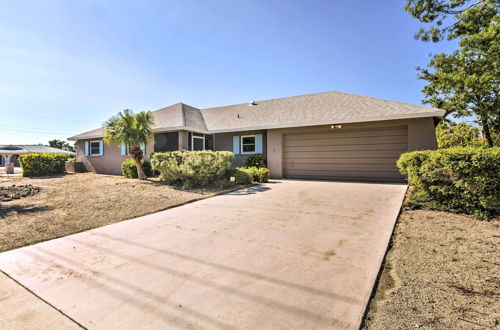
68	204
11	192
442	271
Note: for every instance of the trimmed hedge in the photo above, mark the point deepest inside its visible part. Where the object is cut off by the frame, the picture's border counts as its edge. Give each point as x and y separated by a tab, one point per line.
461	179
255	161
193	168
42	164
129	170
245	175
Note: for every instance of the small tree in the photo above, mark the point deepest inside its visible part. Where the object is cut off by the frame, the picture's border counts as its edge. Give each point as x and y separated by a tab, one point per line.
467	81
451	134
133	130
59	144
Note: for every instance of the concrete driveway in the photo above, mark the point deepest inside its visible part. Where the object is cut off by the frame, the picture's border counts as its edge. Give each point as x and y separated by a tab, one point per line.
288	254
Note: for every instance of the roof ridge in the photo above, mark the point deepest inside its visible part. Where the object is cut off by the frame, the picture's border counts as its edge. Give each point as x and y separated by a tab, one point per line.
312	94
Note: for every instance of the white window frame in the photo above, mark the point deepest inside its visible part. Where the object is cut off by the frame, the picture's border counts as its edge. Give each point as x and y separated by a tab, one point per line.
242	150
197	137
90	148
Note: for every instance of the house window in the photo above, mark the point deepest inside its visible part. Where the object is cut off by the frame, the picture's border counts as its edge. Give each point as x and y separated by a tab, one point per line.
248	144
198	142
95	148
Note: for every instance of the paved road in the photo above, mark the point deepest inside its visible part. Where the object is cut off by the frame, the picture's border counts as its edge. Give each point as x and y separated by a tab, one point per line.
287	254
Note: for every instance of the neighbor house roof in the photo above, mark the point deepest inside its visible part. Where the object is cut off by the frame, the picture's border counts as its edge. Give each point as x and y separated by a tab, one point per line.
19	149
296	111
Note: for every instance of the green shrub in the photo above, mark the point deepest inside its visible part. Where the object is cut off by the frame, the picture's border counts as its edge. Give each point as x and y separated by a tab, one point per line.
42	164
255	161
192	168
255	174
243	175
461	180
129	170
451	134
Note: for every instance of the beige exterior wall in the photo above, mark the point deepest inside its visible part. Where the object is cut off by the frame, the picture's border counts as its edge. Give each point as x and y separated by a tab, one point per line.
111	160
183	140
224	142
421	136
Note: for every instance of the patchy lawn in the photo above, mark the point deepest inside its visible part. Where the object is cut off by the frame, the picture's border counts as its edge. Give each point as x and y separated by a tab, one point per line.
441	272
72	203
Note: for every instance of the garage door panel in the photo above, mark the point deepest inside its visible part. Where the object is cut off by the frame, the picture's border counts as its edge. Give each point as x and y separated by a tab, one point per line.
347	141
368	155
341	167
357	147
342	154
344	174
380	160
352	178
340	134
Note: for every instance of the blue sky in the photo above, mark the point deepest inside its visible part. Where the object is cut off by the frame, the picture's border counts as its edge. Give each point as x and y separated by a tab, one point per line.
67	66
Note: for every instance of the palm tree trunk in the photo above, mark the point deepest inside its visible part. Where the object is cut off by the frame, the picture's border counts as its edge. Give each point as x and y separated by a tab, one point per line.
140	172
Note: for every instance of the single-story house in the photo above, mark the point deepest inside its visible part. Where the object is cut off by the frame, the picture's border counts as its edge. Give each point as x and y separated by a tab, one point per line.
10	153
329	135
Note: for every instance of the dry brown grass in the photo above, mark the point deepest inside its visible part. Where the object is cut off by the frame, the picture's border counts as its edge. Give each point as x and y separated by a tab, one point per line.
72	203
441	272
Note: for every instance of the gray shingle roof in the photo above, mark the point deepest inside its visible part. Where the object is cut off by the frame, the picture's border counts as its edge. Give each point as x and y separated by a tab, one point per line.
304	110
312	109
30	148
175	117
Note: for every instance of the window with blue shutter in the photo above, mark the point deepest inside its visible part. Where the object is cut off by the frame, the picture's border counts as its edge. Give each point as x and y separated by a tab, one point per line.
86	146
123	150
96	148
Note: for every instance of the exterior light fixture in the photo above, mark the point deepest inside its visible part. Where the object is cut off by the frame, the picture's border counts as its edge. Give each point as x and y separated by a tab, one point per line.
336	126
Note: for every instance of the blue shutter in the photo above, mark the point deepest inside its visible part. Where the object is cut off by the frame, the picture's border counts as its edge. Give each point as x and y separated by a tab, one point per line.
258	144
124	149
101	151
236	144
143	148
86	143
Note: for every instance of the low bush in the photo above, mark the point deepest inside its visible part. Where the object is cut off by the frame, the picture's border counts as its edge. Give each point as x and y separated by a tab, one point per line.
255	161
42	164
245	175
461	180
192	168
129	169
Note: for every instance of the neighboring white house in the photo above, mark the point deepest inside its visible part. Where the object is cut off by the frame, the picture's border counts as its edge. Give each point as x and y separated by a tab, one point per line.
10	153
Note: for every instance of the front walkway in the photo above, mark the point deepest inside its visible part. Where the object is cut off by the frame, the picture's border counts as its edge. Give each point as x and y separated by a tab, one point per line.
288	254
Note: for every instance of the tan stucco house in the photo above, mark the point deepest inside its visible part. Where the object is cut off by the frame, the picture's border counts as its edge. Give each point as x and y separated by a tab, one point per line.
328	135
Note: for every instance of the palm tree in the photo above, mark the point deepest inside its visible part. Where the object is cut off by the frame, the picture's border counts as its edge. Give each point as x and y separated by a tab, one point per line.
133	130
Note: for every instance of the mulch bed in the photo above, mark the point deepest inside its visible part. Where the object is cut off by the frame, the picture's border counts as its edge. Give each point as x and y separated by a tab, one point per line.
17	192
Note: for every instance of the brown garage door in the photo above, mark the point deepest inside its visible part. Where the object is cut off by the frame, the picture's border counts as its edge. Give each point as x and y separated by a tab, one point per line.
361	155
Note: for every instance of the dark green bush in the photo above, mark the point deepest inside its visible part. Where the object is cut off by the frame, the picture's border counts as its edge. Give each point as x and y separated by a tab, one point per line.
129	170
193	168
42	164
255	161
246	175
243	175
461	180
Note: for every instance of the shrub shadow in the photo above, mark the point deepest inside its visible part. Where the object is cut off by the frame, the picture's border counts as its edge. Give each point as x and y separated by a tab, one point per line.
21	209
